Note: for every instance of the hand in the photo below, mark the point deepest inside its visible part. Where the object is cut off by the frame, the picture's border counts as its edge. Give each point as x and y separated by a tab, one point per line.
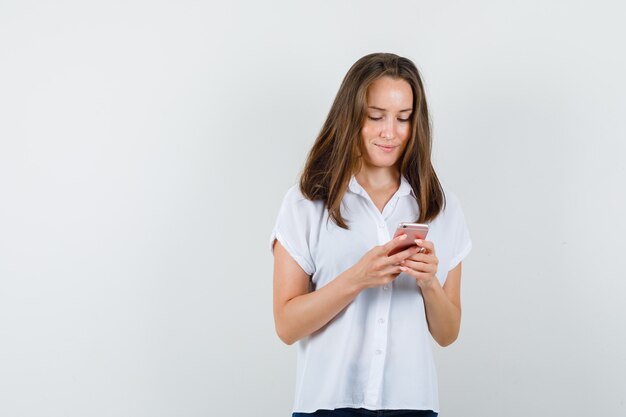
423	265
376	268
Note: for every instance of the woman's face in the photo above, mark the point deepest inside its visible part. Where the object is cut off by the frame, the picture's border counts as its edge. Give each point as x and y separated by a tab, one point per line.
387	124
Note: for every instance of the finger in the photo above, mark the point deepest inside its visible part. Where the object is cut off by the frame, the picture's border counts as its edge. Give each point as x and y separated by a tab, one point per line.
393	243
391	274
392	270
419	266
427	244
427	259
421	257
415	265
400	256
416	274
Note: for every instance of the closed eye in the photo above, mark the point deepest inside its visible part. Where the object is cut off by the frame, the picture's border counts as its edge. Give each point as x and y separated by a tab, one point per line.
380	118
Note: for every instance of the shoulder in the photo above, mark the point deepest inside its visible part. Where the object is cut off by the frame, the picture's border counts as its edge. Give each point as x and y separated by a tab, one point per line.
452	208
294	197
452	200
295	205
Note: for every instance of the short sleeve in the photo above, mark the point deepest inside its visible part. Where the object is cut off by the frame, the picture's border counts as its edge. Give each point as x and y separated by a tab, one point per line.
293	228
460	238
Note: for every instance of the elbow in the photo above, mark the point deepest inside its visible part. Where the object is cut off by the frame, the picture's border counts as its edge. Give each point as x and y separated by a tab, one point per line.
446	340
286	330
286	340
447	335
284	336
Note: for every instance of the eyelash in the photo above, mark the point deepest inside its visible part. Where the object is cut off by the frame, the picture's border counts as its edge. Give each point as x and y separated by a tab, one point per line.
380	118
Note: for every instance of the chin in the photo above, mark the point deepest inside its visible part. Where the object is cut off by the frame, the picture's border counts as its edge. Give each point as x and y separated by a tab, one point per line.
383	162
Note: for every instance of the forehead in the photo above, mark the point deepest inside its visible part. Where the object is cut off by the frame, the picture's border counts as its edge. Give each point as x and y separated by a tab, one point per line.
386	92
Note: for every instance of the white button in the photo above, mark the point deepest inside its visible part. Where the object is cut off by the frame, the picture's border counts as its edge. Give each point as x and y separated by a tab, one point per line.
385	287
381	320
378	351
381	225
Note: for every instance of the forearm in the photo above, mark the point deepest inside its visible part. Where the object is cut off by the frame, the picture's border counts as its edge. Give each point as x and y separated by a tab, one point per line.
305	314
444	318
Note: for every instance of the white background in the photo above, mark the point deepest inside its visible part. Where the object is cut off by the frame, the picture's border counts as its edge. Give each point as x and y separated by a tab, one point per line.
145	147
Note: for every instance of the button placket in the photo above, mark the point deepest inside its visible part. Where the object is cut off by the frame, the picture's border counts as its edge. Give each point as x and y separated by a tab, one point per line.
380	334
382	306
390	207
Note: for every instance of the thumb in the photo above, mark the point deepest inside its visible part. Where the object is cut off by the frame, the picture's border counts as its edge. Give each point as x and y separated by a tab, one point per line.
393	243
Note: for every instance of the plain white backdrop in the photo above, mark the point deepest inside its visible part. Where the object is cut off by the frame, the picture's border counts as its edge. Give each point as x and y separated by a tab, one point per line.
145	148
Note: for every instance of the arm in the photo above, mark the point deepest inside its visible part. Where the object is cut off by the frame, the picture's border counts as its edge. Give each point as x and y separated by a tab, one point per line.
443	307
298	312
443	304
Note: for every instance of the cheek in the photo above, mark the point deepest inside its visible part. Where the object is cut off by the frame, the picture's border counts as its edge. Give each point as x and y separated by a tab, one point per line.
367	131
404	130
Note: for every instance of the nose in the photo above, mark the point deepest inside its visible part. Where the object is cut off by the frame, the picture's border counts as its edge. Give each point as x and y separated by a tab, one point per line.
388	130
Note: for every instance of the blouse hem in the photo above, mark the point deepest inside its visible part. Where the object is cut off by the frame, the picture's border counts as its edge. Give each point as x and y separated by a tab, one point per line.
368	407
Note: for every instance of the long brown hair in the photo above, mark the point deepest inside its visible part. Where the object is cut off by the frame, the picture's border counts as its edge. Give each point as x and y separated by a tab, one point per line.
336	153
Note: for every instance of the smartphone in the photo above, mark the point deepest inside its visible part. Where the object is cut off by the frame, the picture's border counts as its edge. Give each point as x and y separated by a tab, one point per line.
412	231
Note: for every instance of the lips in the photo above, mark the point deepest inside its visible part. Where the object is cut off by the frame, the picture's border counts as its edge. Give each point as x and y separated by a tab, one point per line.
386	148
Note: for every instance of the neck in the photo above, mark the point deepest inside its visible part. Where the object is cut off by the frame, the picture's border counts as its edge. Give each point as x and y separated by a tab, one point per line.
378	177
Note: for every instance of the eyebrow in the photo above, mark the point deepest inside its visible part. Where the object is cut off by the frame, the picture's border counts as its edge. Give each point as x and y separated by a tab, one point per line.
378	108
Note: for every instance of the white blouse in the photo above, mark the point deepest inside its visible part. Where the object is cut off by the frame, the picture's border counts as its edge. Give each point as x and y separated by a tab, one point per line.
376	353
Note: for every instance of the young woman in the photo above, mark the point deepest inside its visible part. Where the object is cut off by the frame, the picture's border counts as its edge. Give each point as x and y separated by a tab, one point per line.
364	320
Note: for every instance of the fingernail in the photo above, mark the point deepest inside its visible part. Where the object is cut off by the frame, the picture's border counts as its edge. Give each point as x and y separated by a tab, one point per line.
402	237
418	241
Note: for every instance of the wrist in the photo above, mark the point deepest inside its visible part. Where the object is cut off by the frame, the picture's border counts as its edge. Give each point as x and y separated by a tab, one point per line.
350	282
429	287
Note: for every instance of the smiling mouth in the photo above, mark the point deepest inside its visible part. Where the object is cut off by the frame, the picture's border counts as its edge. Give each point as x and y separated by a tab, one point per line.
386	148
